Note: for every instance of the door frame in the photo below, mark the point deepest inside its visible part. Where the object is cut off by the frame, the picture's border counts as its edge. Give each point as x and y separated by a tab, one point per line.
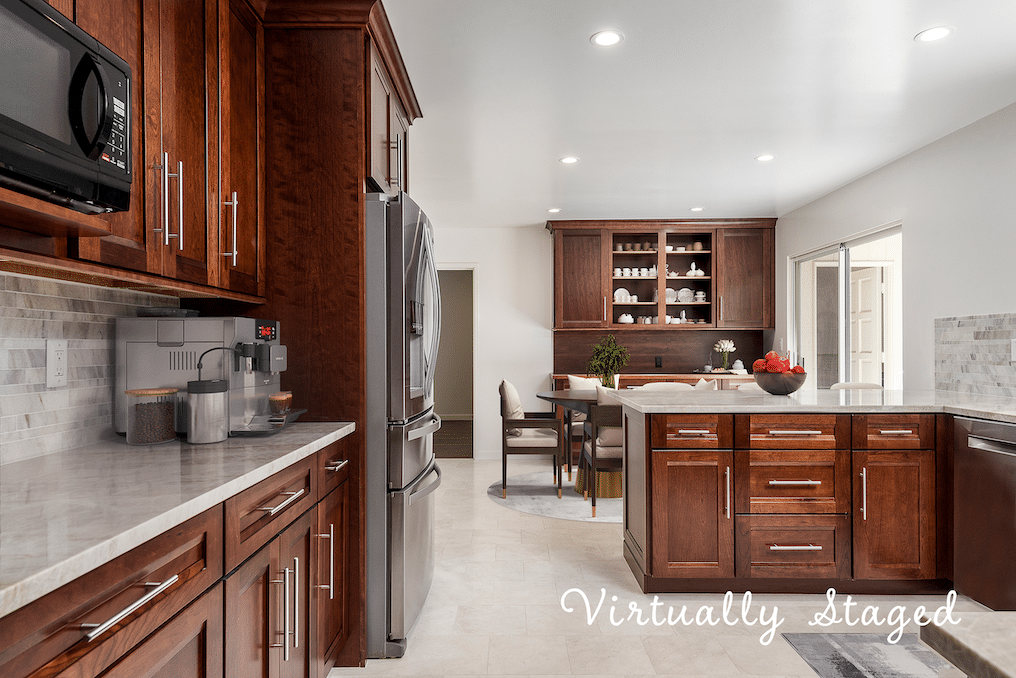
472	268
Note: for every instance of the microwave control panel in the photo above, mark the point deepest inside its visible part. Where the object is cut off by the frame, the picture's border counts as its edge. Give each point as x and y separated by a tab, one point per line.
115	152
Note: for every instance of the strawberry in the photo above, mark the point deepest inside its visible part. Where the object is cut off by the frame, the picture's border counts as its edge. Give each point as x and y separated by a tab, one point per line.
797	369
786	365
774	365
759	365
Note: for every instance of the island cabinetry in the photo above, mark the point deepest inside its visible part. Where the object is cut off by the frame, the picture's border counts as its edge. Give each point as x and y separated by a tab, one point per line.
691	497
86	626
894	497
580	289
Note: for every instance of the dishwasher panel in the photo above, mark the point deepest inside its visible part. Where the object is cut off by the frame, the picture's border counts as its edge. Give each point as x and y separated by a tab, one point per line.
984	510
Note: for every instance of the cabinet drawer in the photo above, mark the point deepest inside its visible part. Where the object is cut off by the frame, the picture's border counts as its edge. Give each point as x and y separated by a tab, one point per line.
793	432
793	546
792	481
118	604
693	431
333	465
256	515
893	431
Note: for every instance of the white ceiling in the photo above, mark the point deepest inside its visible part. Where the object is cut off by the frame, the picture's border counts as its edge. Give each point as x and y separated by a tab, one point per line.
674	116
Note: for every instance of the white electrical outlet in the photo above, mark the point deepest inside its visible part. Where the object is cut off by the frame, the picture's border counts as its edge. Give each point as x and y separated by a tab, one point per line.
1012	350
56	363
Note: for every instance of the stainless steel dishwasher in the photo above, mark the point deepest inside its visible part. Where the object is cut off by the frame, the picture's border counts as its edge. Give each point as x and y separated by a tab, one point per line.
984	512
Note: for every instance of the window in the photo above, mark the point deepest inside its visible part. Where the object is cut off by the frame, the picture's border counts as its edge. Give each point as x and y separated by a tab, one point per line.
848	311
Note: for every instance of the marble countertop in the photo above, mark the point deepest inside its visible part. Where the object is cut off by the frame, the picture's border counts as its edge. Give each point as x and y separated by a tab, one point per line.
983	643
995	408
63	514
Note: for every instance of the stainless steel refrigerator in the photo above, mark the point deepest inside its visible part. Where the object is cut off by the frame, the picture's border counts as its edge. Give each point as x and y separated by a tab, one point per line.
403	326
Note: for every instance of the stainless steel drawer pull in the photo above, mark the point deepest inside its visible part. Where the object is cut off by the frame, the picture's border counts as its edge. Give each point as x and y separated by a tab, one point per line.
296	602
331	561
293	496
337	466
864	493
800	547
99	629
235	204
727	477
795	433
285	616
693	431
795	482
901	432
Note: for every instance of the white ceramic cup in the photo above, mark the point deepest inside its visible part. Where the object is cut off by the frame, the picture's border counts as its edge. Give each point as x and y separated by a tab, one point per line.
670	248
617	273
626	272
681	248
644	272
700	296
633	298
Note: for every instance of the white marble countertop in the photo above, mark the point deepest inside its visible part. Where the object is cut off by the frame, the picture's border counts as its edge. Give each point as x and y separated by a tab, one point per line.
983	644
995	408
63	514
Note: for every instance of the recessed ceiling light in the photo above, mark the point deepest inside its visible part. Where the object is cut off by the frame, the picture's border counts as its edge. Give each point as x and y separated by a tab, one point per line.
932	34
569	160
765	158
697	209
554	210
606	38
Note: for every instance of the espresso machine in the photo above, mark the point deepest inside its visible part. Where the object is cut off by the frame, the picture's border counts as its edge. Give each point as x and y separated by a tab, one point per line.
157	352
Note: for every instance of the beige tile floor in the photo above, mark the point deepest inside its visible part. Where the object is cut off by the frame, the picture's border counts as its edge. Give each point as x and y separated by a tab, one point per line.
495	605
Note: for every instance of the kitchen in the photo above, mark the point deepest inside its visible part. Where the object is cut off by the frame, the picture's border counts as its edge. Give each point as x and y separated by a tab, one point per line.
949	189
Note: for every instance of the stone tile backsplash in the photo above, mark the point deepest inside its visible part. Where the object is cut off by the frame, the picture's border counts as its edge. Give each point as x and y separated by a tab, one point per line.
972	354
35	420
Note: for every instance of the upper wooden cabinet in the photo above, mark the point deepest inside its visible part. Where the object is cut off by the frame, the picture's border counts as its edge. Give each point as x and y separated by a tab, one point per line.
387	163
633	274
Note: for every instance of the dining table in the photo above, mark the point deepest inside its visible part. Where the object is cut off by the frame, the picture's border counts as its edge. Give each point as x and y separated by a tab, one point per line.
579	401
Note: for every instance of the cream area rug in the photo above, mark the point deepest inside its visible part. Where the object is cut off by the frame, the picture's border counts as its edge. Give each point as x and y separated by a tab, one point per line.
535	493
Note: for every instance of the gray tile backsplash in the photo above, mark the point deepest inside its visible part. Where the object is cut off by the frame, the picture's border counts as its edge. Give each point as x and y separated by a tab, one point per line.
35	420
972	354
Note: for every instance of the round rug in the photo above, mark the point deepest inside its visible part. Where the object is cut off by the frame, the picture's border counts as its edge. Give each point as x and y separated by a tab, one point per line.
535	493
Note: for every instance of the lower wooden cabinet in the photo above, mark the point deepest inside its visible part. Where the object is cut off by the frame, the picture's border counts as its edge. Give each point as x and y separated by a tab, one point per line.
330	585
810	546
894	514
692	514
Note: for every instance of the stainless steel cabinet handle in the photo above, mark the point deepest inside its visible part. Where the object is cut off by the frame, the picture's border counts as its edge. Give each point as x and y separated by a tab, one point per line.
296	602
293	496
285	616
605	309
331	561
398	157
864	493
164	195
235	204
693	431
166	176
901	432
99	629
727	476
337	466
795	482
719	308
285	598
795	433
802	547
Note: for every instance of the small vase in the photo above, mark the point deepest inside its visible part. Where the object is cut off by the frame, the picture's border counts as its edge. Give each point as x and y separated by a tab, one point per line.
726	360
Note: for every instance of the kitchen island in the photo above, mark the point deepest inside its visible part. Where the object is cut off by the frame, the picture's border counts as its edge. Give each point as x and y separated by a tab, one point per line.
112	540
737	490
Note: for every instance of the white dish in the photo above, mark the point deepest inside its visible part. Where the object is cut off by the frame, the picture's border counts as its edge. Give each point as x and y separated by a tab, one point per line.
671	295
621	296
626	319
685	295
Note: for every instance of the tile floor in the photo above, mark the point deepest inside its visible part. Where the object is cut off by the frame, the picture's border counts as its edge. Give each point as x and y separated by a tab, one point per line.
495	605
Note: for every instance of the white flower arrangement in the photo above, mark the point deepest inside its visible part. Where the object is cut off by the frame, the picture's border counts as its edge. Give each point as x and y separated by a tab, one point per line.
724	346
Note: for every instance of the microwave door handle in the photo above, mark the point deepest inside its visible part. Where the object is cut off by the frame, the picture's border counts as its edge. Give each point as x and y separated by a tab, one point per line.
91	145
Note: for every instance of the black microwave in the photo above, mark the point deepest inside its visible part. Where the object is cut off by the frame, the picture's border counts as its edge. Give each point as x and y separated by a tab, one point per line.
65	111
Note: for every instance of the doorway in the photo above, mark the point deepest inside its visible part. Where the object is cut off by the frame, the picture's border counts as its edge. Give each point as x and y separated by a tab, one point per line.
453	376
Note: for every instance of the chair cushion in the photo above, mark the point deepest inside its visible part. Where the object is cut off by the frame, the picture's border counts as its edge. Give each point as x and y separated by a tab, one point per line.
577	383
605	451
609	436
512	408
703	385
666	386
604	395
534	437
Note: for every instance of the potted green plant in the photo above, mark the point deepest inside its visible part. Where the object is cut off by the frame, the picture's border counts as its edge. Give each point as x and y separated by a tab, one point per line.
608	359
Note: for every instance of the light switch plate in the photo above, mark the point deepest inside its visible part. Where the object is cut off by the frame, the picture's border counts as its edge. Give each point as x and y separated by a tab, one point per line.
56	363
1012	350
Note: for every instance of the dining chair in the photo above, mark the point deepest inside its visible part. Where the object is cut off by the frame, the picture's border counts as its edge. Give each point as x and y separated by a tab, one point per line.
527	433
840	385
602	442
572	417
665	386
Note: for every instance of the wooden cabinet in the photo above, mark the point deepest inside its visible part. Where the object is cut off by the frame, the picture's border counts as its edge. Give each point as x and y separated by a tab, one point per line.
745	278
673	275
580	297
238	219
389	132
808	546
692	514
330	587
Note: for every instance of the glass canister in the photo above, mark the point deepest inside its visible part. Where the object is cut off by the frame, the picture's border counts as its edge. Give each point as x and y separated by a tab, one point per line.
151	415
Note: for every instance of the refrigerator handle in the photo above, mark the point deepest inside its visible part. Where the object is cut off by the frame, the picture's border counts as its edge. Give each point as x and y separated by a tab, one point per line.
411	490
420	494
430	427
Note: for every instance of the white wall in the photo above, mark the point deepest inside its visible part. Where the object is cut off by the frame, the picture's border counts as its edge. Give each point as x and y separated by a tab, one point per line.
956	198
513	282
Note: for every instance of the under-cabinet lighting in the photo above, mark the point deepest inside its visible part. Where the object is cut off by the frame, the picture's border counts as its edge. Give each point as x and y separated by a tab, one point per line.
606	38
932	34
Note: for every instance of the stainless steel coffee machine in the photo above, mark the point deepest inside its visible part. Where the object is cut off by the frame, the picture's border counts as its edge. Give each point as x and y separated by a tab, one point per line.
156	352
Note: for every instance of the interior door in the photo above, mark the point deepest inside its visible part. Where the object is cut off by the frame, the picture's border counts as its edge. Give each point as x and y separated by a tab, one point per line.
866	324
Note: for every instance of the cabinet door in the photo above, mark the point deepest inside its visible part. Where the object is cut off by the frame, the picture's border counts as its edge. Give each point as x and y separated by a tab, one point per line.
379	140
253	612
894	514
238	218
745	278
189	646
330	583
295	553
580	282
180	70
692	515
399	135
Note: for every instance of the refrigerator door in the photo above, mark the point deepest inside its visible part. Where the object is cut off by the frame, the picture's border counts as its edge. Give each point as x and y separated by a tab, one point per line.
414	303
411	449
411	554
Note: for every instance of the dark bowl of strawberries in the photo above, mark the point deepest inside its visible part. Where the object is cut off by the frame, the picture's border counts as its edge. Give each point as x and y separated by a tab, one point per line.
775	375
